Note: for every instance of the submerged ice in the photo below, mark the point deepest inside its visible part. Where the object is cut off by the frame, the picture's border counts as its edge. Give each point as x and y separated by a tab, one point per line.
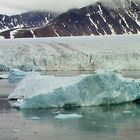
101	88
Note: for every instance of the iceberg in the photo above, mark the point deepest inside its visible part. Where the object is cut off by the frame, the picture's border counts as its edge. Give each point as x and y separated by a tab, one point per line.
101	88
4	76
16	74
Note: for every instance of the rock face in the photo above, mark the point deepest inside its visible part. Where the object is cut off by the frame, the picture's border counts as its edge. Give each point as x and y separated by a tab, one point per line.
101	18
24	21
97	19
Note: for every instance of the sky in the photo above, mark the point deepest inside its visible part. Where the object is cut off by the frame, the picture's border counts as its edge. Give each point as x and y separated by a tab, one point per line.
11	7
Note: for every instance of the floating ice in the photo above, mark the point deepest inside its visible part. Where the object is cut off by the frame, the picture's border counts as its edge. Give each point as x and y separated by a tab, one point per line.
35	118
127	112
102	88
4	76
16	131
13	75
68	116
16	74
34	84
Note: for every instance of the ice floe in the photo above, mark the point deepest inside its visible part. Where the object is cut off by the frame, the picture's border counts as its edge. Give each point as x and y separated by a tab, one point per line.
101	88
68	116
16	75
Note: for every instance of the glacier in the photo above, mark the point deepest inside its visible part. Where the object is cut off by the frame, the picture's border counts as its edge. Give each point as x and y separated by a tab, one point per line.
71	53
102	88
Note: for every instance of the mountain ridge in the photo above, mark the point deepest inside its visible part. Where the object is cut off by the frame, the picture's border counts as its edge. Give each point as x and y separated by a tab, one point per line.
118	17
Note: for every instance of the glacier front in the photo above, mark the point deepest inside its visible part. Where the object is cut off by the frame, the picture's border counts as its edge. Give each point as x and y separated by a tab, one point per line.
71	53
101	88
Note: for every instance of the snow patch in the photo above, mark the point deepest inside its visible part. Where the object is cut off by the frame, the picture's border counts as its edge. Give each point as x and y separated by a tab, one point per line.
88	15
12	33
35	118
32	32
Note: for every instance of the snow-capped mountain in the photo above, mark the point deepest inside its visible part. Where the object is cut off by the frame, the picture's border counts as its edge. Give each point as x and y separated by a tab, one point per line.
101	18
25	20
29	19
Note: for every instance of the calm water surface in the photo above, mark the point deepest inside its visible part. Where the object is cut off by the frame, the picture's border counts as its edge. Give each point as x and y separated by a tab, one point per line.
121	122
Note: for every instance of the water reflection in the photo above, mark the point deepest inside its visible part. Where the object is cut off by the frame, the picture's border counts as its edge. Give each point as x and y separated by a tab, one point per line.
103	119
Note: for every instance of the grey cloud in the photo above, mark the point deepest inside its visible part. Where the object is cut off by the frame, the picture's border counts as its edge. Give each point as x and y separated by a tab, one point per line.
52	5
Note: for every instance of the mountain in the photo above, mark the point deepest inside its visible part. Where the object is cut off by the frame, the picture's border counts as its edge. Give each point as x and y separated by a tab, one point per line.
25	20
101	18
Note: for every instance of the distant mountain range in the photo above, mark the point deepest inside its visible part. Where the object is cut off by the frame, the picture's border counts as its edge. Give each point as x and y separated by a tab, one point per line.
101	18
29	20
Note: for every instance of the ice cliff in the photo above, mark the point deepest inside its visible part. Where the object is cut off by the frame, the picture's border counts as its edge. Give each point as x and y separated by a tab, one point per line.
101	88
71	53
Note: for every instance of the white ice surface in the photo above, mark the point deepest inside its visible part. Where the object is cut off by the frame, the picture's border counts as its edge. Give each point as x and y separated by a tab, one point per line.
35	83
4	76
102	88
72	53
68	116
16	74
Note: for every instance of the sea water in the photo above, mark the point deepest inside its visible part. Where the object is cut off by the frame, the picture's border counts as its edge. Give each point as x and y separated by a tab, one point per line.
113	122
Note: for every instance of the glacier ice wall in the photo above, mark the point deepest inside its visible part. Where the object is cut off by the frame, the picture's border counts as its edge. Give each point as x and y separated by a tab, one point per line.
71	53
102	88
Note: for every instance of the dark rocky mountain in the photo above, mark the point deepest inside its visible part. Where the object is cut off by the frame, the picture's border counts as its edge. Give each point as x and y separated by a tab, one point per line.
101	18
25	20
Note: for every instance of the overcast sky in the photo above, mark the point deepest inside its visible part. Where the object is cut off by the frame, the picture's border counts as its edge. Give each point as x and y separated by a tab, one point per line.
17	6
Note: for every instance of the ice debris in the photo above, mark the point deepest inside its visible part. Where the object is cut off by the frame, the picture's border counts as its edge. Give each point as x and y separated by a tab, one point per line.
68	116
101	88
35	118
4	76
16	74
